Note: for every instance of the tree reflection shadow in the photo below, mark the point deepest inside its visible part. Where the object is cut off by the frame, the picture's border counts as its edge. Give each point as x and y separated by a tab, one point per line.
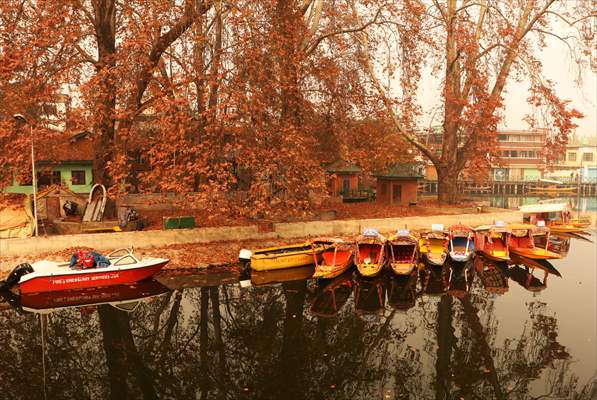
266	342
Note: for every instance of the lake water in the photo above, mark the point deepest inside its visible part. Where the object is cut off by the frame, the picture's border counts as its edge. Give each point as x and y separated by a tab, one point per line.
498	334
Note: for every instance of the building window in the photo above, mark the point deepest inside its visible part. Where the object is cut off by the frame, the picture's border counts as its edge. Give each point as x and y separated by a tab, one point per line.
587	156
384	189
503	138
78	177
48	178
572	156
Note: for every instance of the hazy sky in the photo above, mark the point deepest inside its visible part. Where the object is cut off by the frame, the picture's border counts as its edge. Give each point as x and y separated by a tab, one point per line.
557	67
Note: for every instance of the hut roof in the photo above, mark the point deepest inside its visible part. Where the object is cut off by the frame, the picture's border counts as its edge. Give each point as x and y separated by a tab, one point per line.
401	171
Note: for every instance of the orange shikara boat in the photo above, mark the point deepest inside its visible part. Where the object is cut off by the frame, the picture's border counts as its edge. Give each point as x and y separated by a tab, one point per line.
335	259
523	244
492	241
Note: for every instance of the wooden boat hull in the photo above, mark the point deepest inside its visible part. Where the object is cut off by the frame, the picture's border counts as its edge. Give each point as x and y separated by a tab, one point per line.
284	257
330	271
460	257
495	255
534	253
369	270
90	278
438	259
565	229
333	263
400	268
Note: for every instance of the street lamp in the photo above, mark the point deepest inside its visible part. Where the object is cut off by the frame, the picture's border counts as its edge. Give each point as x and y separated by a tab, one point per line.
21	118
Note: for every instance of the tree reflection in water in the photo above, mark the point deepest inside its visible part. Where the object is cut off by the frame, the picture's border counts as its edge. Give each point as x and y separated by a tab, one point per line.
293	341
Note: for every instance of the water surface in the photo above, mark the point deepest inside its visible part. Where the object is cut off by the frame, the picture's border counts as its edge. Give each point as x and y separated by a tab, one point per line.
495	334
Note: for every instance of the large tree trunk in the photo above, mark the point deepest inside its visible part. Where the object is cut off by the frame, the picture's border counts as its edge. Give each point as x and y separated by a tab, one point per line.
105	32
447	184
289	24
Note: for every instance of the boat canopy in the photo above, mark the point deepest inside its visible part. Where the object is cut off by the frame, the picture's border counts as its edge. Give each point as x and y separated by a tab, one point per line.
493	228
544	208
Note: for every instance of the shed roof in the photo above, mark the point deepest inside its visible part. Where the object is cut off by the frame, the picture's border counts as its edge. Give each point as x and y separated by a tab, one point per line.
401	171
341	166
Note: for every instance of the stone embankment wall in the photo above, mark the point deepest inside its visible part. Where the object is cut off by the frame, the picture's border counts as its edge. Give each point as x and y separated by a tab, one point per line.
32	247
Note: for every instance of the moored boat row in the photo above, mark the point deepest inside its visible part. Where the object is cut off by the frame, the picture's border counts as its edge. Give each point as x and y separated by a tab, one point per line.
401	252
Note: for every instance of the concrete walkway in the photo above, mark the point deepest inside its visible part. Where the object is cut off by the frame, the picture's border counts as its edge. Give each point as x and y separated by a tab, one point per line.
32	247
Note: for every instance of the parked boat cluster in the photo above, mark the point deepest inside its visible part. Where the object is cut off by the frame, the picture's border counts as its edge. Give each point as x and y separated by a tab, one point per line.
404	250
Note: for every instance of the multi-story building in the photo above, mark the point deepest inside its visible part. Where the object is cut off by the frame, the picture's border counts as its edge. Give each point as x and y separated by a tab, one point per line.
521	155
578	163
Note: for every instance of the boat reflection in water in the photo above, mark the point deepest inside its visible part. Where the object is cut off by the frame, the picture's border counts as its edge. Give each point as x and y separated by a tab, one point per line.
331	296
290	337
434	280
123	297
402	291
493	275
523	273
369	297
459	278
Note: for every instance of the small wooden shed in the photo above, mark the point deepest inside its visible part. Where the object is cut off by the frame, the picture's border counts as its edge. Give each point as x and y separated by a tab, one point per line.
344	178
398	184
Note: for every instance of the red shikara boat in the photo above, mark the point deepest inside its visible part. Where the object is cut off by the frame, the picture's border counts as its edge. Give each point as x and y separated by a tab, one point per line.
49	276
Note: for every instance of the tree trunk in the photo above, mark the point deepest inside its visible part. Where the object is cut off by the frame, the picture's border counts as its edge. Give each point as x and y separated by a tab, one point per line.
105	33
288	25
447	184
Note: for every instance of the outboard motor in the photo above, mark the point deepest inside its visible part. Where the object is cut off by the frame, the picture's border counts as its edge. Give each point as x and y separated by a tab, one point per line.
15	275
245	271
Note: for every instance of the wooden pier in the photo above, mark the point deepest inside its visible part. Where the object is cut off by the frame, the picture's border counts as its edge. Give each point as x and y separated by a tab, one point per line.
516	188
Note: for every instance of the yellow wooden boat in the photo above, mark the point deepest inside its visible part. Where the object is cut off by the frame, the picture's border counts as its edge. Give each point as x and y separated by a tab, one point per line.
290	256
370	253
523	244
433	245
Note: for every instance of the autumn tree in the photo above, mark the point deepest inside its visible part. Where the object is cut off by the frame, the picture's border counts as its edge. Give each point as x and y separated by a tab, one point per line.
479	47
34	63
